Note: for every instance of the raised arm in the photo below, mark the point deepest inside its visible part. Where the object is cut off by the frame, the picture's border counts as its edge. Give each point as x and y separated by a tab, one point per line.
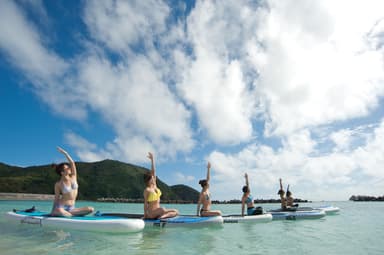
246	180
153	169
208	171
281	184
70	160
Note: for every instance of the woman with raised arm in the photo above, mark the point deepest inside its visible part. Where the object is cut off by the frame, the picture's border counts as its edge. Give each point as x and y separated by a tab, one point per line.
66	190
247	199
205	198
290	199
282	198
152	193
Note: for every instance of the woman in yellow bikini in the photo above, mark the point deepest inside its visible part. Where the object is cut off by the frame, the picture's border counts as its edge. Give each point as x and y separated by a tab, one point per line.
152	193
205	198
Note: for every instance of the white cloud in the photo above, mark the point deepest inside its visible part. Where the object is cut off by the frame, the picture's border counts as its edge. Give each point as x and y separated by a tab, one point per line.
138	105
293	66
315	63
370	157
121	24
342	139
213	82
23	45
310	172
85	150
182	178
131	94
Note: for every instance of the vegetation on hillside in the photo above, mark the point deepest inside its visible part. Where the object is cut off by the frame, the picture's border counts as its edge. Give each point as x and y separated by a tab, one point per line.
103	179
366	198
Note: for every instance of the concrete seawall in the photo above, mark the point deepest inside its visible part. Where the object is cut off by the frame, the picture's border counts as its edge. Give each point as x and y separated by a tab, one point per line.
25	196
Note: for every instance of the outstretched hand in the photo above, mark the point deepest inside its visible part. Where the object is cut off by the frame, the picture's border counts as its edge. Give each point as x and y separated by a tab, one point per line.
61	150
209	165
150	155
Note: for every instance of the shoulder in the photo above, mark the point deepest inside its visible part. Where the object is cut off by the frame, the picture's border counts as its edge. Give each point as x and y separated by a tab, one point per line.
58	185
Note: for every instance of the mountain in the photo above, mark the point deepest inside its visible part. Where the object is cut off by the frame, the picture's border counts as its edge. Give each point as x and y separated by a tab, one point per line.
103	179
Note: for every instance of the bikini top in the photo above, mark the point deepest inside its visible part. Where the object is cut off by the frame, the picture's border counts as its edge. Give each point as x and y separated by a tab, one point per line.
66	189
154	196
249	199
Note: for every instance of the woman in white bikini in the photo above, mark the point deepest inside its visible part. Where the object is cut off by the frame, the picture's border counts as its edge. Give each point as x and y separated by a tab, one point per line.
66	190
205	198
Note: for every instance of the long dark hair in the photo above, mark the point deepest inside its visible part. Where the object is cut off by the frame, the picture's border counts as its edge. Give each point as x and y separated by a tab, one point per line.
59	168
147	178
203	183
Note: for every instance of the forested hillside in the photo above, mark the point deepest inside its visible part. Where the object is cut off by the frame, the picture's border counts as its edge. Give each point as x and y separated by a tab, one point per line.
104	179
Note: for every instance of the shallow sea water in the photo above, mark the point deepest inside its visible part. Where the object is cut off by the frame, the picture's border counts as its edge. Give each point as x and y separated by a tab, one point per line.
357	229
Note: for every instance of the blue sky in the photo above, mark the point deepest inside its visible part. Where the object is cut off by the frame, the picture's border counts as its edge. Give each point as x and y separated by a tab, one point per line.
289	89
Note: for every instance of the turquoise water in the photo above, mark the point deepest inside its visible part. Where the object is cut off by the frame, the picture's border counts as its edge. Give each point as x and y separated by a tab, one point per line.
357	229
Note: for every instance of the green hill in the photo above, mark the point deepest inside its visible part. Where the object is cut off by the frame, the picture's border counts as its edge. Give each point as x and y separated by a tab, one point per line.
104	179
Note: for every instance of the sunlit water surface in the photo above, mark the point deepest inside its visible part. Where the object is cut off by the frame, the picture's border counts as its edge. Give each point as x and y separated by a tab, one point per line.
357	229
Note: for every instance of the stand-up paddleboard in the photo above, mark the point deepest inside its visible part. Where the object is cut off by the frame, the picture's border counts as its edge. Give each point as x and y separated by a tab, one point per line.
234	218
111	224
328	209
297	214
178	221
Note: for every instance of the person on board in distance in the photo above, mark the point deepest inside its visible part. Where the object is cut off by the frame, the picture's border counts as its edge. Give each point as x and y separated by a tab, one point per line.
247	199
205	197
281	193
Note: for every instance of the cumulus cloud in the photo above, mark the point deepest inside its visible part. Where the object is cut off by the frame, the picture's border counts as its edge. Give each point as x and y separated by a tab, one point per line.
138	104
315	63
22	44
182	178
121	24
85	150
24	47
213	82
309	171
130	95
256	79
